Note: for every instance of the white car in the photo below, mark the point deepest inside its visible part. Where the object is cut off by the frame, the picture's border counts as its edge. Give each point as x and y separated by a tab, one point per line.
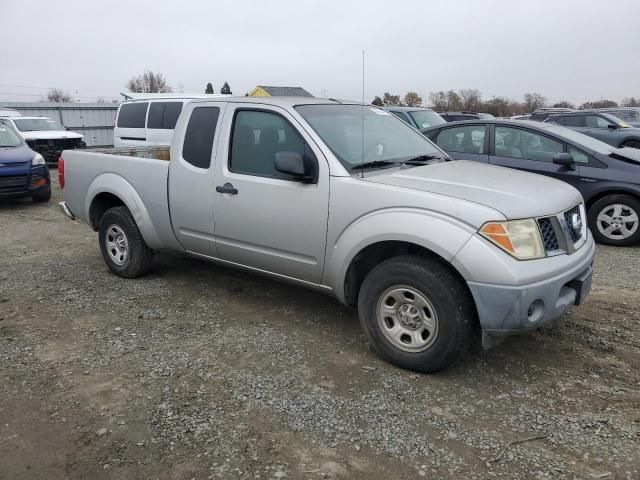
45	136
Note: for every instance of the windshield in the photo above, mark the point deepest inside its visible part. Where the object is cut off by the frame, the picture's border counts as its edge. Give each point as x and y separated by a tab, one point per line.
426	118
581	139
36	124
8	137
615	120
347	129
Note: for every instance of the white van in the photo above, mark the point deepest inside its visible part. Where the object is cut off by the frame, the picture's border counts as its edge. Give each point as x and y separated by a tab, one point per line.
149	119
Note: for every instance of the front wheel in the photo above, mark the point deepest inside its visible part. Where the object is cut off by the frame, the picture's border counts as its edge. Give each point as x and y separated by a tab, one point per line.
416	313
614	220
123	248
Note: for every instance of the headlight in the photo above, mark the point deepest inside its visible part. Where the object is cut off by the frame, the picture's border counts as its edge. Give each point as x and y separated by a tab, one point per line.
519	238
37	160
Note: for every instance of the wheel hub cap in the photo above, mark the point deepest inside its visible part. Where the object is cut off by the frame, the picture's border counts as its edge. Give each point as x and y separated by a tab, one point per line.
407	318
117	245
617	221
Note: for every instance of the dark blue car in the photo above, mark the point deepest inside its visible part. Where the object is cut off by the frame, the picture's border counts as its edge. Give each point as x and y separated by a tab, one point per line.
607	177
23	172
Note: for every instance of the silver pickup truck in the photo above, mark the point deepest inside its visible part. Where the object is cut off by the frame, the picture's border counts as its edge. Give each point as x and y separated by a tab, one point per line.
349	200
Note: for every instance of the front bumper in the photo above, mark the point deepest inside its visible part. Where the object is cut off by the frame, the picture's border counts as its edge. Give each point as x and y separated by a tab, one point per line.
24	183
504	310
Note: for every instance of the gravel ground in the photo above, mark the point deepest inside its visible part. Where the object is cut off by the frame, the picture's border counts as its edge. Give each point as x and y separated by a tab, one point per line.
196	371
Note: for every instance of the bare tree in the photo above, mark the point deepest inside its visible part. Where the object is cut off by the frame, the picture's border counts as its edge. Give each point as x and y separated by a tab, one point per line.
59	96
630	102
100	100
454	102
377	101
534	101
599	104
209	89
149	82
563	104
438	101
412	99
471	99
391	100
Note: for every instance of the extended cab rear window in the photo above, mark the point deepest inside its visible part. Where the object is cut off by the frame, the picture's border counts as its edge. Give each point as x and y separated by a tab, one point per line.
198	139
133	115
164	115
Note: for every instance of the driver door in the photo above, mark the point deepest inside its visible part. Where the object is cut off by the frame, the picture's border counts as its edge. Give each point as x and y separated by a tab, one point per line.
265	219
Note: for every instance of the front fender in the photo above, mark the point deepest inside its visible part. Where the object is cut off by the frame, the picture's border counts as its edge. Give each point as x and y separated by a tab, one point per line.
121	188
438	233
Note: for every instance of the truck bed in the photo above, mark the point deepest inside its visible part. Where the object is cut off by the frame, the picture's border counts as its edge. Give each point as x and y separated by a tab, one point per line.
137	176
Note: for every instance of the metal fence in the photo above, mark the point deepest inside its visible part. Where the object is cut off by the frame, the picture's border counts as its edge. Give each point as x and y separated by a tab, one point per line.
93	120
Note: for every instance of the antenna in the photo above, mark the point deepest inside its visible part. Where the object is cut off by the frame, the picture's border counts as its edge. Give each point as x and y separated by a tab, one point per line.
362	111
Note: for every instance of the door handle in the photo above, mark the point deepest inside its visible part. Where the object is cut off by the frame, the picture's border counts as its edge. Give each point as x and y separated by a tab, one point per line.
227	188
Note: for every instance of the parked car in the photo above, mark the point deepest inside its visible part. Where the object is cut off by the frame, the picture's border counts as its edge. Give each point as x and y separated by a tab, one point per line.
630	115
417	117
348	200
459	116
608	178
541	114
603	126
23	172
149	119
45	136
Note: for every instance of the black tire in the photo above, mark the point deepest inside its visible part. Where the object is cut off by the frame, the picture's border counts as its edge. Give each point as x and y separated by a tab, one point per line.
42	197
630	203
138	255
632	144
451	301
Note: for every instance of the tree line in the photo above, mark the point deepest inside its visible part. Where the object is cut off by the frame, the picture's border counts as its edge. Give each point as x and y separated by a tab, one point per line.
470	99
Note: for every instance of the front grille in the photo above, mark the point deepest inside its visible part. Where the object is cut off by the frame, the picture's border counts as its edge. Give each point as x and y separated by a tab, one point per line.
574	233
549	238
52	148
564	232
13	181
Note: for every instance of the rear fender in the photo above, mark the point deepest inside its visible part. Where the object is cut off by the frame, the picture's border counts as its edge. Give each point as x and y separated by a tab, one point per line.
121	188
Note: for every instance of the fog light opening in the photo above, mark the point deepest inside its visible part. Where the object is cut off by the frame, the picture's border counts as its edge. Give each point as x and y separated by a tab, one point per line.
536	310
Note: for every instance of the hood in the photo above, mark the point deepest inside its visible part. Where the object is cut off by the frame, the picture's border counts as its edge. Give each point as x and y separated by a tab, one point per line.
13	155
514	193
632	154
49	135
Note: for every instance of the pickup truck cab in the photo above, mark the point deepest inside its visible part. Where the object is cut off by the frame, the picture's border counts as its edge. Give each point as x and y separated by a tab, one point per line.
349	200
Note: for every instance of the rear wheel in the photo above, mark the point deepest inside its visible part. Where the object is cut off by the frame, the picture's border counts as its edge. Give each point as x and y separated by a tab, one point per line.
416	313
632	144
614	220
123	248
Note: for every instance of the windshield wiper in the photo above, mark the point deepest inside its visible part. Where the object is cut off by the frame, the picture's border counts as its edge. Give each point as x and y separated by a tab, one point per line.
424	158
374	164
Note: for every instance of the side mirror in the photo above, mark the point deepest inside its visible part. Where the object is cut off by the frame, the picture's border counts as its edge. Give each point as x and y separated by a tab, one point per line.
612	126
565	159
294	164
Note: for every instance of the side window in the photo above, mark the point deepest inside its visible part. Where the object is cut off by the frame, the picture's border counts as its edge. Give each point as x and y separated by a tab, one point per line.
578	155
518	143
164	115
156	114
171	113
574	121
401	116
256	139
132	115
462	139
595	121
198	138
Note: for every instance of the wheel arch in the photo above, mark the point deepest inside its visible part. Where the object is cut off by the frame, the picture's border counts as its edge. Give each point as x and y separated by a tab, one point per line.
109	190
605	193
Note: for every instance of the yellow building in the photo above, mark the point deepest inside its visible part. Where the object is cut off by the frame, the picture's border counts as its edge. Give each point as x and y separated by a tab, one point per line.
266	91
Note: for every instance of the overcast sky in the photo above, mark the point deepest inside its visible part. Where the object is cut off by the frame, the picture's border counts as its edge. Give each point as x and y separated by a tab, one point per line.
575	50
